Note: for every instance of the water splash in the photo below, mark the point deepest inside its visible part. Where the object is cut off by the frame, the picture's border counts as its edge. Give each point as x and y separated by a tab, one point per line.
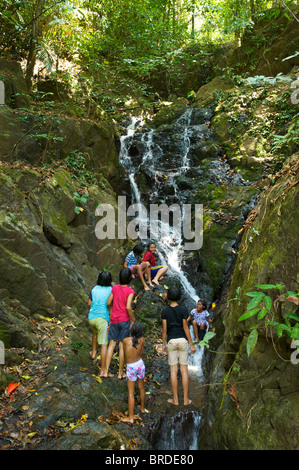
170	246
179	432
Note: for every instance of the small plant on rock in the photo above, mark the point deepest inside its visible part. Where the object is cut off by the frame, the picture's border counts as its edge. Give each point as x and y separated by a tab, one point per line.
79	200
261	306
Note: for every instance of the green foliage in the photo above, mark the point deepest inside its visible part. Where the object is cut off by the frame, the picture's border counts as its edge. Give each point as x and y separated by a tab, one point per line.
79	201
76	161
290	138
261	80
207	337
261	306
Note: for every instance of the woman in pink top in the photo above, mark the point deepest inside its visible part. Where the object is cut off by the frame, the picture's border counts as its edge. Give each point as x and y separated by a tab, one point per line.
121	318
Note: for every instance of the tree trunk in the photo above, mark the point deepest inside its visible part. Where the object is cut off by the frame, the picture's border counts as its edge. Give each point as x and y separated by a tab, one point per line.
31	59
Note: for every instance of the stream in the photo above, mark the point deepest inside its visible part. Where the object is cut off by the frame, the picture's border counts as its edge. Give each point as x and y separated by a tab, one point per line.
163	161
167	167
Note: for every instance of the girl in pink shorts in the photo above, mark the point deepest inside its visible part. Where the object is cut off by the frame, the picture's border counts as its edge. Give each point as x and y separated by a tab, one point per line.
133	349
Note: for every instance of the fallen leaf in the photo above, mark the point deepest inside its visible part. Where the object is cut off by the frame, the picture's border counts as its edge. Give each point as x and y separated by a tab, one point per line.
11	387
294	300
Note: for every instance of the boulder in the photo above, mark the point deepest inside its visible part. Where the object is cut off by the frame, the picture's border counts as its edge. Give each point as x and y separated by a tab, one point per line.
16	92
258	409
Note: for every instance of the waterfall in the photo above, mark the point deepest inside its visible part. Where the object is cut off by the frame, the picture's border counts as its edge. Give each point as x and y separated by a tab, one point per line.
170	245
179	432
160	165
143	152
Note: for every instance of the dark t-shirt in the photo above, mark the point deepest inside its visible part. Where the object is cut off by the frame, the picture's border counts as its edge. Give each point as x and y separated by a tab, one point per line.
174	317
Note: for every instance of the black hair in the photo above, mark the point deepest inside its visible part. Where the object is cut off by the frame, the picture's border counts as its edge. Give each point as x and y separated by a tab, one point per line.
104	279
149	244
138	249
173	293
204	303
136	332
125	276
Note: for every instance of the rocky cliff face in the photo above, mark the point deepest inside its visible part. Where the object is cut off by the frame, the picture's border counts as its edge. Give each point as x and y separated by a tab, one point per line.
50	257
253	401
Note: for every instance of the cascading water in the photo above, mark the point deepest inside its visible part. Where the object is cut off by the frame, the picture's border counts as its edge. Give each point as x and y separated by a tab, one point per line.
175	432
160	167
141	151
170	244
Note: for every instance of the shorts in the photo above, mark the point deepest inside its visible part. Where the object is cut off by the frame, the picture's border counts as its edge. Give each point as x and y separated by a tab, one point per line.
204	322
154	270
177	351
119	331
134	272
99	326
136	370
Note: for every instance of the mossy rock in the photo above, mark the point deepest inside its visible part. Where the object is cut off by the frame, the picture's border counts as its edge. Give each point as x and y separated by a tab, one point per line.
169	112
266	255
206	94
16	92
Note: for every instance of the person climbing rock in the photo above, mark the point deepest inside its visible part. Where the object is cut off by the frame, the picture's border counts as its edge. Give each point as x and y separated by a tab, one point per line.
200	319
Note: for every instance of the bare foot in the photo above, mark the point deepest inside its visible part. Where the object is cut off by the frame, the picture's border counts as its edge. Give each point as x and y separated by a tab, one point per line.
142	409
170	400
123	376
146	288
155	282
92	355
188	402
127	420
107	375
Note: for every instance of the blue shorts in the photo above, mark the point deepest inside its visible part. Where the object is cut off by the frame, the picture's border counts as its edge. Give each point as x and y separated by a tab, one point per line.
154	270
119	331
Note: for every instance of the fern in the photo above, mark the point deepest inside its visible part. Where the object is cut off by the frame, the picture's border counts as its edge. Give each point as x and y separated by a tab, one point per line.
44	55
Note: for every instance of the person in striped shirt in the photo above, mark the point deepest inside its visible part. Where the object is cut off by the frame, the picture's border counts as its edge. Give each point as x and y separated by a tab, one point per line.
132	261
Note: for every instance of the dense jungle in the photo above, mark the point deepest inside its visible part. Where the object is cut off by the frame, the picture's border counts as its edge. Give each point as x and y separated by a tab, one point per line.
173	103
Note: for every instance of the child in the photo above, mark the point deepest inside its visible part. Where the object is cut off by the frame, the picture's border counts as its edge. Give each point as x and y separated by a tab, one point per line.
157	272
200	318
132	262
122	316
175	329
133	349
98	316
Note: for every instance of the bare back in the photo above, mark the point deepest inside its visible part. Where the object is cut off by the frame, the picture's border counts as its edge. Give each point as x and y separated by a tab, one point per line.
133	354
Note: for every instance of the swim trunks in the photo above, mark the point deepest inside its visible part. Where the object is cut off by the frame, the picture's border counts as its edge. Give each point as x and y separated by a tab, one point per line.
136	370
154	270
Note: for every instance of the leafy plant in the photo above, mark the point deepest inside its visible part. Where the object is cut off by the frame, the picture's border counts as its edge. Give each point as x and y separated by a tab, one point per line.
76	161
290	138
205	341
79	200
261	306
261	80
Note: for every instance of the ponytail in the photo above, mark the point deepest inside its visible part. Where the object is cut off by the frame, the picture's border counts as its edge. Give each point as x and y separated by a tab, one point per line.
136	333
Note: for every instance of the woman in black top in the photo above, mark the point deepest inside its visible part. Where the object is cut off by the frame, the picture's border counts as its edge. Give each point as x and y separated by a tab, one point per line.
175	337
